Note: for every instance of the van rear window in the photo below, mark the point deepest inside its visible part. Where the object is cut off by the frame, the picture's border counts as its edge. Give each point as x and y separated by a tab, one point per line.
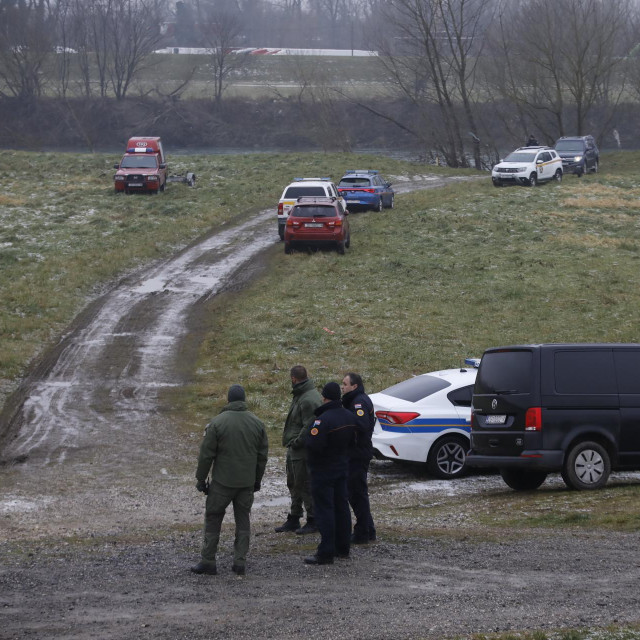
415	389
504	372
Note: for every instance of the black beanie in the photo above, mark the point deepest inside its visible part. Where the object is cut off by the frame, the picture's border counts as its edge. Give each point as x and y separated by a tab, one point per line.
331	391
236	392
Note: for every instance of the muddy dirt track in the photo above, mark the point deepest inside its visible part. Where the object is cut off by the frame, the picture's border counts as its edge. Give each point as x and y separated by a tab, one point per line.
84	468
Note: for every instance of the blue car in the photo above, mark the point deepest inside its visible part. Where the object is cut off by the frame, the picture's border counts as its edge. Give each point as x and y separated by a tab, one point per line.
365	189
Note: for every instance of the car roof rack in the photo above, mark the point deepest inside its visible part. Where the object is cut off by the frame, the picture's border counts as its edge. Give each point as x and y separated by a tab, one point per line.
371	172
316	199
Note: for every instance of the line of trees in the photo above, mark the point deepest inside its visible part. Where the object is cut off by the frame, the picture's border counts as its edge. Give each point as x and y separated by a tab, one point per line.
545	65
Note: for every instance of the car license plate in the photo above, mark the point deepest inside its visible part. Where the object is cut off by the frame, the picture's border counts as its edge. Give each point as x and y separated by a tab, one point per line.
496	419
314	225
136	184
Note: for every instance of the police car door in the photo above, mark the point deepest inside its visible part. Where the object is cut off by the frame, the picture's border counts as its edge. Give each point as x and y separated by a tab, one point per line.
548	168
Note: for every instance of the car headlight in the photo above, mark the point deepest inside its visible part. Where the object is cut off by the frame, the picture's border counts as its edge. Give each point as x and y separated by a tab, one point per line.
152	178
119	178
521	169
577	158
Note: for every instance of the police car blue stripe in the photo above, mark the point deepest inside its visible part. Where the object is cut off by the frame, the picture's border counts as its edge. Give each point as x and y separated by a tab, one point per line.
426	426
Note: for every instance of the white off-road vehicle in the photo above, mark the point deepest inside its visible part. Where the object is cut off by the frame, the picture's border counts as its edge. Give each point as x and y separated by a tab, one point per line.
528	166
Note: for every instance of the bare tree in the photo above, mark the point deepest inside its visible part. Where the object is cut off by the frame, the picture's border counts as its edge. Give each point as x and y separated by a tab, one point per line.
220	27
555	60
25	43
432	61
133	32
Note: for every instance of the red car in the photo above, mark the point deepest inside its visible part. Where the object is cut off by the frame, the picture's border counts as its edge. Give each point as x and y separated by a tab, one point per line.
317	222
142	168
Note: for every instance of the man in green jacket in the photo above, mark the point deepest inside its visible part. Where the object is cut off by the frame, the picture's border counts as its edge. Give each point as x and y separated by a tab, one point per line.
299	420
235	445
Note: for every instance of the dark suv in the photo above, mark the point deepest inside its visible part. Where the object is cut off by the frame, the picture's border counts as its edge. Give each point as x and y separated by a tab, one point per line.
579	154
573	408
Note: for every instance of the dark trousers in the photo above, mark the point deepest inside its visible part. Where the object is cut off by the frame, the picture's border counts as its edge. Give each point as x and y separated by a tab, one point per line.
331	508
364	529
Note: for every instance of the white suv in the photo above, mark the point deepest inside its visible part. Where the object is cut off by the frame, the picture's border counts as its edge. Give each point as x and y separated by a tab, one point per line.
304	187
528	166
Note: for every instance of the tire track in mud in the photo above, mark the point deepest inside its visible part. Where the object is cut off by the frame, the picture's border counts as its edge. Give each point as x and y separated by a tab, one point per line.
102	390
95	400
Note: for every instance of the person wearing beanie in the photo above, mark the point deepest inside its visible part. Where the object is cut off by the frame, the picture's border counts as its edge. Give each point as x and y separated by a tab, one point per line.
234	452
358	402
301	414
328	442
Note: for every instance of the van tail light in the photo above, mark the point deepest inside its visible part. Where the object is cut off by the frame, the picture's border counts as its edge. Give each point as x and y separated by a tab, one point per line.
396	417
280	208
533	419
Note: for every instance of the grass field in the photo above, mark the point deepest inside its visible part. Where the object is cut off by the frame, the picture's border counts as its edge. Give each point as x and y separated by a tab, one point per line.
65	234
259	76
446	274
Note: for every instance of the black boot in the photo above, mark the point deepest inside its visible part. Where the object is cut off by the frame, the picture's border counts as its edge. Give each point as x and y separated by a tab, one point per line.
316	559
291	524
309	527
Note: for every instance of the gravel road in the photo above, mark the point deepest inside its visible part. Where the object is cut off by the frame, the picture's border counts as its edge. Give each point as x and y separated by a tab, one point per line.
98	525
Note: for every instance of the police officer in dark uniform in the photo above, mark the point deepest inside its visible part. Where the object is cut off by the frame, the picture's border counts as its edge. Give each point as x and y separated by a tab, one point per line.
327	444
358	402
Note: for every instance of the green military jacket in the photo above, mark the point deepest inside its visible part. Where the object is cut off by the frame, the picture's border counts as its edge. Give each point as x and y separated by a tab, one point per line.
235	443
301	415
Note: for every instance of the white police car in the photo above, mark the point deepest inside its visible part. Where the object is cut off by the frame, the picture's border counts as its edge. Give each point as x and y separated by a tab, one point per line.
427	419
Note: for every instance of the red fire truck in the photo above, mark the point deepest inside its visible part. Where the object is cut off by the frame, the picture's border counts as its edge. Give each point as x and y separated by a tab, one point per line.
143	167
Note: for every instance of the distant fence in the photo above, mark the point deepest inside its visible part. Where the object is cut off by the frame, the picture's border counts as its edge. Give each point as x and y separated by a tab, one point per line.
272	52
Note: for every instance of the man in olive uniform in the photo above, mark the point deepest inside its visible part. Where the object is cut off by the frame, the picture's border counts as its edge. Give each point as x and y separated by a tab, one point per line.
235	444
301	414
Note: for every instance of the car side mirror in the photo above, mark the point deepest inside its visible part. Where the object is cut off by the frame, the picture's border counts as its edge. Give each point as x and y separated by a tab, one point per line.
116	166
539	161
389	184
163	165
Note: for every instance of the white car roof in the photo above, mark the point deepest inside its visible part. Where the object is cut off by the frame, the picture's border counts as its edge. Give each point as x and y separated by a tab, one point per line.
460	377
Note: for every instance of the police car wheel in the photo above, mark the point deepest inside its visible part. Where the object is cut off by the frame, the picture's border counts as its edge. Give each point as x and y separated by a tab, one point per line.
378	206
558	176
533	180
447	457
281	232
